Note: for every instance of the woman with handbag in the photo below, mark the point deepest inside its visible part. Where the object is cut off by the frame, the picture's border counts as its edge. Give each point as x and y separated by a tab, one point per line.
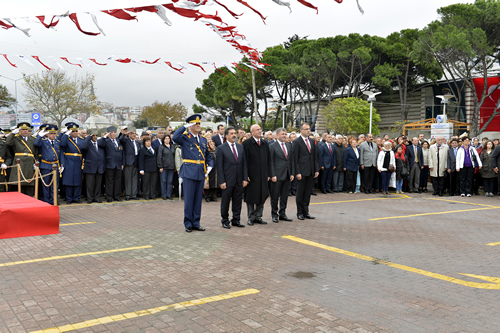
386	165
401	168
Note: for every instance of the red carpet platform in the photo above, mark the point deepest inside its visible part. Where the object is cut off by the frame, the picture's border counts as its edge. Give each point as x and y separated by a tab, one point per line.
22	215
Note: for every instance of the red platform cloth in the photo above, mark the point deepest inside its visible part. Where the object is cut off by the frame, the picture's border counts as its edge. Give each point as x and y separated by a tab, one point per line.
22	215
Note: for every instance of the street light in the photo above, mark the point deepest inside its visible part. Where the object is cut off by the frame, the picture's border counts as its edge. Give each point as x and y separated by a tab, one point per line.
371	98
283	106
445	99
15	84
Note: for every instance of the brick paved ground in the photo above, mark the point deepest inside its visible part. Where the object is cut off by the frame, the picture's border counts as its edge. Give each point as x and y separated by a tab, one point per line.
302	288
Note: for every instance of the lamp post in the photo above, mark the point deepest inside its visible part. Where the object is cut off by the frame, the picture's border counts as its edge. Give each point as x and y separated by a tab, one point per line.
15	85
371	98
283	106
445	99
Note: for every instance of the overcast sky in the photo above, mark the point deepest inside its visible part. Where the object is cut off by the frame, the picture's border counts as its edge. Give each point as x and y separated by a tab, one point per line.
184	41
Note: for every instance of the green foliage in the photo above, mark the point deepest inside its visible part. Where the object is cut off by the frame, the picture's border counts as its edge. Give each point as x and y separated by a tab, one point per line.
141	123
6	97
158	113
350	115
57	95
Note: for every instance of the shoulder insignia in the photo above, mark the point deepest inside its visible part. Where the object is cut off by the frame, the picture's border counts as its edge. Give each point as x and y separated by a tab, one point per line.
16	135
44	139
58	140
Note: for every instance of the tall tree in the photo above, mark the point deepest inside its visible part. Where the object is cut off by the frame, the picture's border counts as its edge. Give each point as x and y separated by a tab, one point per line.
57	95
464	42
6	99
350	115
158	114
399	72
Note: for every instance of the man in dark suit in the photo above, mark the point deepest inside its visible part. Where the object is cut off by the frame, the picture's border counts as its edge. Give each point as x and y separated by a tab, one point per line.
218	137
368	153
131	149
93	169
452	168
416	160
306	157
156	142
282	171
328	163
232	176
257	157
114	164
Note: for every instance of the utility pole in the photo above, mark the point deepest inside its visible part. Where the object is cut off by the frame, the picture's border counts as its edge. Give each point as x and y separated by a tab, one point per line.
254	93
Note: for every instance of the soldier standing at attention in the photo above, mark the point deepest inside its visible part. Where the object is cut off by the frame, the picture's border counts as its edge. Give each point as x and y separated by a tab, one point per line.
50	151
5	161
24	148
197	164
71	145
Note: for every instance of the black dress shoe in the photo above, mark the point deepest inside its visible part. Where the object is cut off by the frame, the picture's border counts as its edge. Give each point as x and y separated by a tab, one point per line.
314	193
450	194
367	192
134	198
239	225
77	201
300	217
214	200
250	222
435	193
127	198
260	221
69	202
324	192
275	220
289	194
309	217
328	191
226	226
200	228
440	194
89	202
285	218
189	229
207	199
98	201
118	199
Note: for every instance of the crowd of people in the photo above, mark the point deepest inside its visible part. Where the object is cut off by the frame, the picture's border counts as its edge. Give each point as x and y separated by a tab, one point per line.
238	166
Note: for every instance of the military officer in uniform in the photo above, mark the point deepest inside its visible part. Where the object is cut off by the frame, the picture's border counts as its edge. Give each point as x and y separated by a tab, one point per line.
197	164
50	151
71	145
24	148
5	161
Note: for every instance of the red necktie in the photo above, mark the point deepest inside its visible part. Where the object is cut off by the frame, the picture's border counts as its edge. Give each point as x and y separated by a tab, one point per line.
308	146
234	152
329	148
258	142
284	150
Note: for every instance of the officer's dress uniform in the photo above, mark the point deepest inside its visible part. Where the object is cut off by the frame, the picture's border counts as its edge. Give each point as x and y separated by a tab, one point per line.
73	162
5	158
51	154
193	169
24	148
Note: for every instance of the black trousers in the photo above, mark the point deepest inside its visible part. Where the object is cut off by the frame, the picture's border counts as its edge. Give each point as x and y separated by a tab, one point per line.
438	184
466	175
369	177
113	183
350	178
234	194
303	196
131	176
93	186
454	182
149	184
279	192
488	184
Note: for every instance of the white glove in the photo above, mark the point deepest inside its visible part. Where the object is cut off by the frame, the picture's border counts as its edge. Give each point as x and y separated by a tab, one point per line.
64	130
34	166
106	135
189	125
61	169
4	166
208	171
67	133
15	131
180	180
141	172
42	133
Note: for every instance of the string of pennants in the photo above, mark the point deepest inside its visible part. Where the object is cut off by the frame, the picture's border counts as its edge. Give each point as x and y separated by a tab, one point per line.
184	8
91	61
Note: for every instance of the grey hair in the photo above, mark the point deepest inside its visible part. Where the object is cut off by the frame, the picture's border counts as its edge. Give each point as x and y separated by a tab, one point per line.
279	130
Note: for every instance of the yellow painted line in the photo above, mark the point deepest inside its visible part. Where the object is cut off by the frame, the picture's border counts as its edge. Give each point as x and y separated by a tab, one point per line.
435	213
493	244
75	223
494	285
147	312
73	255
357	200
462	202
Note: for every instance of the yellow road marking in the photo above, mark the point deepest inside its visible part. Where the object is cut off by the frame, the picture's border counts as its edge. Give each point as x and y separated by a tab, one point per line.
73	255
494	285
147	312
436	213
493	244
75	223
462	202
333	202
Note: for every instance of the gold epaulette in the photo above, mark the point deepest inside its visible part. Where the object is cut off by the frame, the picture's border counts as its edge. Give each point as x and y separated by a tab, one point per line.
17	134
